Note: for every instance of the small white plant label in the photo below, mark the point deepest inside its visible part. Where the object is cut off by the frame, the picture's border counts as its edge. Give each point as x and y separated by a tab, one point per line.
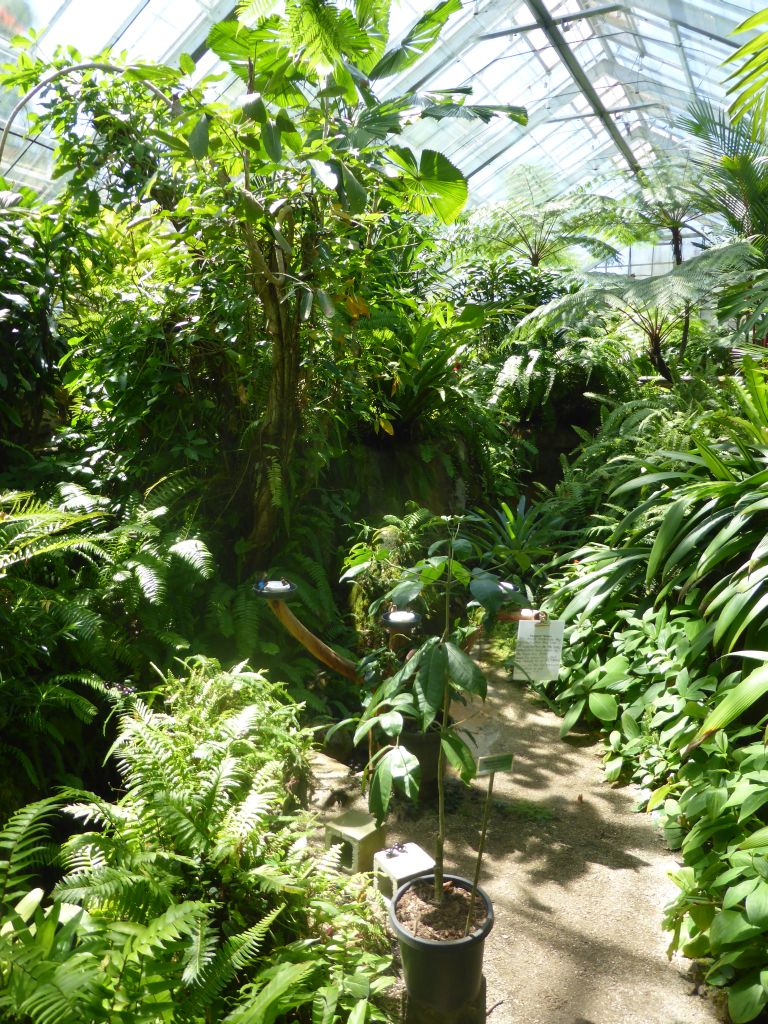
539	650
494	763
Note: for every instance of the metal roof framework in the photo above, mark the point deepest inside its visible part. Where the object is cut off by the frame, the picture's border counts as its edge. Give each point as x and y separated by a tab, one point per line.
604	83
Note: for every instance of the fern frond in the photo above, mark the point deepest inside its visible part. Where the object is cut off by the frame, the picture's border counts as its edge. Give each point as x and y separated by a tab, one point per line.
60	998
237	953
177	922
281	994
200	952
150	573
167	490
24	847
240	823
275	479
196	554
329	862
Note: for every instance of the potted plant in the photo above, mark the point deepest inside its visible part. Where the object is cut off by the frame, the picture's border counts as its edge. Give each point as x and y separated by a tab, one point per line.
441	920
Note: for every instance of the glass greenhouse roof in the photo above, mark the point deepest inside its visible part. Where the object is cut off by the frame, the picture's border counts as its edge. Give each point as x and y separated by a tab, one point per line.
604	83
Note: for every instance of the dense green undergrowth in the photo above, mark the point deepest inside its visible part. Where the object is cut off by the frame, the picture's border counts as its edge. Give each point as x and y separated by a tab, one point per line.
232	342
665	649
193	896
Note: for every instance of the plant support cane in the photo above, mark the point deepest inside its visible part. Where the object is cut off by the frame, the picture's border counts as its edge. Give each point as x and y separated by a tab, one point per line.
480	851
489	765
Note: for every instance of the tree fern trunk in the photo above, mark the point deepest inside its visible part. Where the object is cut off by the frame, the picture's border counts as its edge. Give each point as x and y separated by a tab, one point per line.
657	359
677	249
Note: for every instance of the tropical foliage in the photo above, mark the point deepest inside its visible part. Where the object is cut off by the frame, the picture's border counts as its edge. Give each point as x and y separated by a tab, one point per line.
250	325
192	898
666	640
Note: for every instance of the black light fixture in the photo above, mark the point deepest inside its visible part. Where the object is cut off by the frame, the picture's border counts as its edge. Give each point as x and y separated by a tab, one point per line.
275	590
397	621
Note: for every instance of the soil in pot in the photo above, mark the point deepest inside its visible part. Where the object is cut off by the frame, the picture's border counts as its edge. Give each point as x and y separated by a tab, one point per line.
418	912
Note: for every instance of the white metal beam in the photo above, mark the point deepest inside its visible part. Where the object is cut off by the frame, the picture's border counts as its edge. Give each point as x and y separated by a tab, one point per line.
692	18
541	14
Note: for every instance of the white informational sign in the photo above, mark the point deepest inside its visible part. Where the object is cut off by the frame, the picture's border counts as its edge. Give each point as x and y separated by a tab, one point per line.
539	649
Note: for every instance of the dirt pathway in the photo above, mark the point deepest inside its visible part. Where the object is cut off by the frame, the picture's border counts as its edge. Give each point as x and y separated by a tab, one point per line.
578	880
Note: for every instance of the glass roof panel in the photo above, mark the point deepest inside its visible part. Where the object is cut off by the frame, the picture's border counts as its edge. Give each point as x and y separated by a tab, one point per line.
603	82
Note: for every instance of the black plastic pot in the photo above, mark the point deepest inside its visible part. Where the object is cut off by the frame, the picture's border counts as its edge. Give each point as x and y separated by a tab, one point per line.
442	975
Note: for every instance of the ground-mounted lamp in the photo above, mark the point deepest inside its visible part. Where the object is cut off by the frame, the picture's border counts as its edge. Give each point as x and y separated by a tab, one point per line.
280	589
276	593
401	625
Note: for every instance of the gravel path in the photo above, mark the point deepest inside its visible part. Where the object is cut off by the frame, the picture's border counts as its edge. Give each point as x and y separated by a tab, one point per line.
577	878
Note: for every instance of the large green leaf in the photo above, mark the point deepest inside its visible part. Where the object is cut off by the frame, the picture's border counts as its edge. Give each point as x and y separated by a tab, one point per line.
405	769
474	112
434	185
405	592
729	928
747	83
359	1013
354	192
613	670
485	589
464	671
750	615
666	537
459	756
734	704
756	905
380	792
572	717
732	614
324	1005
603	706
757	841
270	137
746	998
265	1007
327	34
198	138
429	684
421	38
237	45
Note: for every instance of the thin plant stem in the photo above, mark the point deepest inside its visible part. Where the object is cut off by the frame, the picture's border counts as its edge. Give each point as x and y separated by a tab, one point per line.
480	851
440	843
